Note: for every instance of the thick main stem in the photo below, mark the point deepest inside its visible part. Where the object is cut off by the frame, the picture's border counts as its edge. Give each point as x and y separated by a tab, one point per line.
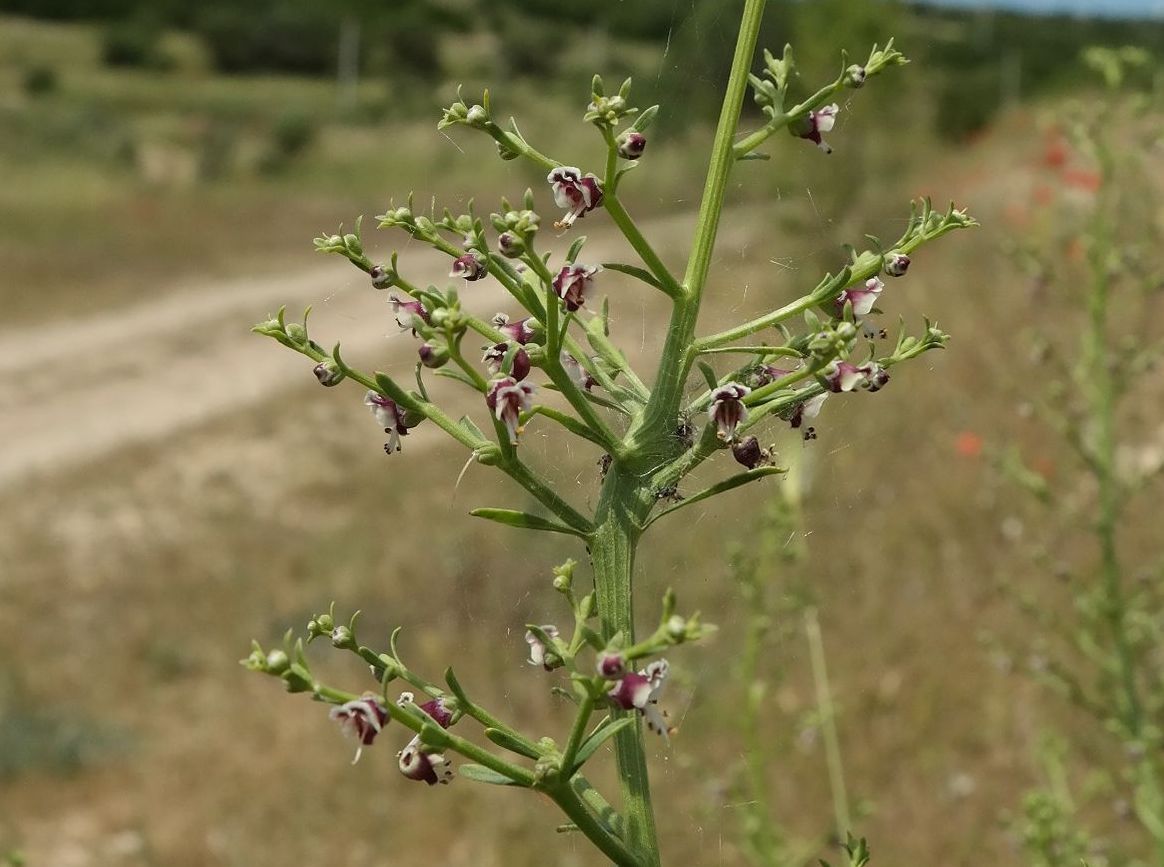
612	553
627	493
676	361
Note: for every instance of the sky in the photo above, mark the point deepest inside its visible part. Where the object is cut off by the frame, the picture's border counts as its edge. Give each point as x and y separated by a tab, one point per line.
1112	8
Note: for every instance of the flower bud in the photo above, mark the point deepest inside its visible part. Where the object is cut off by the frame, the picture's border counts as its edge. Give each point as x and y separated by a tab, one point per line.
855	76
896	264
510	245
469	266
328	373
431	356
611	664
382	277
277	662
505	152
298	679
676	628
750	454
631	144
342	637
477	116
297	333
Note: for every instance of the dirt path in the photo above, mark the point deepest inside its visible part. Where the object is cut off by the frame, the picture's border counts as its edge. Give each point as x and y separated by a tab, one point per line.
73	391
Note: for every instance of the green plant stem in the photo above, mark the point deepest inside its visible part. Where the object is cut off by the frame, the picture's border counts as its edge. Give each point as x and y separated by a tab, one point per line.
622	505
752	141
662	410
577	732
828	722
614	848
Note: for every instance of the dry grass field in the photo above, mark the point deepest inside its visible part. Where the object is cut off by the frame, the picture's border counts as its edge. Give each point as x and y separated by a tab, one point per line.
172	487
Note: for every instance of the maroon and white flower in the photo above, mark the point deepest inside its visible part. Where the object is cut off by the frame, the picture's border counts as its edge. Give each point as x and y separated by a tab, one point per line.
470	266
404	311
845	376
640	691
573	284
862	297
807	410
432	356
439	709
521	331
328	373
575	192
578	374
611	665
762	374
821	120
896	264
510	245
418	762
494	358
727	409
389	416
539	653
362	718
382	277
750	453
508	399
631	144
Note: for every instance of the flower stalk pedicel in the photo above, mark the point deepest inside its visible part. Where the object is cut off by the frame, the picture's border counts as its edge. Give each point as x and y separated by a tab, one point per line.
649	435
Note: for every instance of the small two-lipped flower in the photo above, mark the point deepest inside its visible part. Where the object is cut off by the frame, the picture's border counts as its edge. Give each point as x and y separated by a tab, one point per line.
407	312
637	691
578	194
362	718
573	284
417	761
816	122
862	297
541	653
508	398
842	376
389	416
727	409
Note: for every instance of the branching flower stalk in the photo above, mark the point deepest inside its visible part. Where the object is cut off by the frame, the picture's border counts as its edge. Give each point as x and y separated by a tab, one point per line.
647	429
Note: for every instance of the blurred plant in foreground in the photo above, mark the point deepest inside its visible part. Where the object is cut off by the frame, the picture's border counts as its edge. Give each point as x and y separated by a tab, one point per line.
647	435
1106	653
776	615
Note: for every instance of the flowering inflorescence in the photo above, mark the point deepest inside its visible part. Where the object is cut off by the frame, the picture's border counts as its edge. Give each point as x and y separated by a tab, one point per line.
554	362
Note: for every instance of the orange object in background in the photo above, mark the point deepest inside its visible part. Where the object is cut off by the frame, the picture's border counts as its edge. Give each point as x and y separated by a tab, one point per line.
968	444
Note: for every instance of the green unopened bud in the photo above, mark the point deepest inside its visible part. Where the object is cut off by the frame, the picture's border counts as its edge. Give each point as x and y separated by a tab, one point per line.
277	662
855	76
297	333
477	116
298	679
328	373
343	638
676	628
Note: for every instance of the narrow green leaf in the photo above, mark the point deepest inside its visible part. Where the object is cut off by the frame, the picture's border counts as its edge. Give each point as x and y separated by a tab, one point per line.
524	520
508	742
634	271
575	249
719	488
600	736
458	375
482	774
709	375
469	425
